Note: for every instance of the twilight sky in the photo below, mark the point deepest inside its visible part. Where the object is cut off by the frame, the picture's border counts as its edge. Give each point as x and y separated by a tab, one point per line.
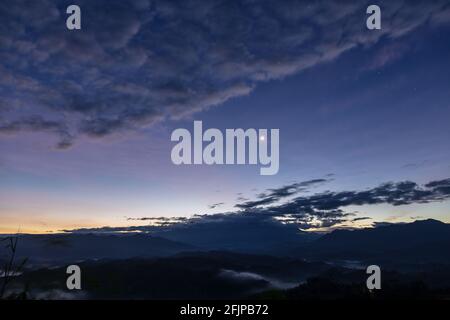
86	116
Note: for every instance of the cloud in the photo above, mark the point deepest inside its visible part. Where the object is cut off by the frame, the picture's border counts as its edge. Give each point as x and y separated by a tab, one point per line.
251	276
361	219
274	195
387	55
138	62
215	205
441	186
159	221
396	194
321	210
384	224
36	123
415	165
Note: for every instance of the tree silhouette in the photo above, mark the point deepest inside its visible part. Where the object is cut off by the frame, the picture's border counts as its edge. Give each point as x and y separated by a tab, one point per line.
10	269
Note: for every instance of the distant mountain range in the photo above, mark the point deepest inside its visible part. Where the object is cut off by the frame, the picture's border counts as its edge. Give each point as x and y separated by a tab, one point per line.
244	236
426	241
66	248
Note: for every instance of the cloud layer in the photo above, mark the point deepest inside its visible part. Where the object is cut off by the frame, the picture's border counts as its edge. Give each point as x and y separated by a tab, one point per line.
138	62
321	210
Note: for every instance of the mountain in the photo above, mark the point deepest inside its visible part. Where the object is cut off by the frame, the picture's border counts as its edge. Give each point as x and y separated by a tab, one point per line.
244	236
426	241
64	248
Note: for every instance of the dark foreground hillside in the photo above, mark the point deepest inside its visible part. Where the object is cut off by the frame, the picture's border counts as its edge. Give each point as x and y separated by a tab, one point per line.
225	275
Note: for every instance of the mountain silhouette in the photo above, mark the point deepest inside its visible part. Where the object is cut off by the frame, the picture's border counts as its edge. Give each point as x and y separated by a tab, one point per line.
63	248
426	241
244	236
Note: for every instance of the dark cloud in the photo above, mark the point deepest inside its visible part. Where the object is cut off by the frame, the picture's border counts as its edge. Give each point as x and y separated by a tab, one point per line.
321	210
257	203
327	207
400	193
36	123
361	219
138	62
215	205
274	195
159	221
384	224
442	186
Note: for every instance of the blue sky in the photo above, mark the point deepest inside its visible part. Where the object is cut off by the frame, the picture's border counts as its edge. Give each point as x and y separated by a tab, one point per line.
85	118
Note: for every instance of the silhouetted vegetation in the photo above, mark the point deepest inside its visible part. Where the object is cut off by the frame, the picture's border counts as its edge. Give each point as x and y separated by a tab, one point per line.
10	266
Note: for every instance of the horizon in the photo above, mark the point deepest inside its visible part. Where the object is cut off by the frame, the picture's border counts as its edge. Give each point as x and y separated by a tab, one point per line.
100	231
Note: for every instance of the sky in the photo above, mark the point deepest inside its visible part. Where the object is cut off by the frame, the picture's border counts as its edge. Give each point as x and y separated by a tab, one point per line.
86	115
